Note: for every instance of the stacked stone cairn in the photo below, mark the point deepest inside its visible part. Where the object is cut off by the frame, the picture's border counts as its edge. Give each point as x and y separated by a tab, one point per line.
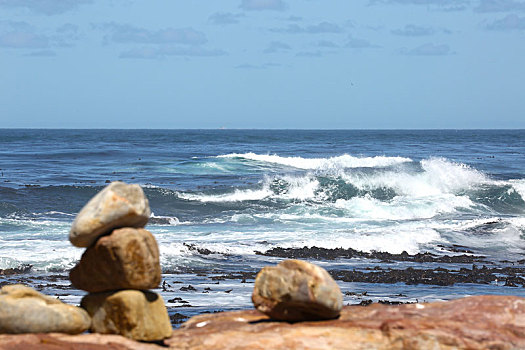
295	291
120	265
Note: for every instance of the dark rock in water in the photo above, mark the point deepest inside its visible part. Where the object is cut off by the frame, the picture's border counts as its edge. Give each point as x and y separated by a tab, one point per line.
24	310
117	205
189	288
338	253
178	318
25	268
438	276
296	290
126	259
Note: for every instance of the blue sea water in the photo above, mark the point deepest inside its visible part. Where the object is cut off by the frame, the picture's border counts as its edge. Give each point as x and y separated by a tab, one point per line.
219	196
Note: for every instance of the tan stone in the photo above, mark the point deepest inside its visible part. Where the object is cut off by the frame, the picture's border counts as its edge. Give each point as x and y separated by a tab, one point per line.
126	259
296	290
139	315
117	205
24	310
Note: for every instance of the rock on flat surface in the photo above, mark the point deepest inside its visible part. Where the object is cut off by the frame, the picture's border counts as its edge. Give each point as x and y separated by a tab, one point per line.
296	290
126	259
139	315
481	322
24	310
117	205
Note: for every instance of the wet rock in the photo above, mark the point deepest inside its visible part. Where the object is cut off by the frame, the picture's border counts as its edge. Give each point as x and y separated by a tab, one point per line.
436	276
139	315
296	290
24	268
24	310
338	253
126	259
117	205
481	322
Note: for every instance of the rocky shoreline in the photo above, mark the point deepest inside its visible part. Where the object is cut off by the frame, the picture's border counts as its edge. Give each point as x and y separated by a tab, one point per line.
482	322
178	289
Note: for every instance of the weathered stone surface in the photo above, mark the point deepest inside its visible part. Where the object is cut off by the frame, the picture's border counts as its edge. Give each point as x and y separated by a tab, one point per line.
60	341
117	205
24	310
481	322
139	315
126	259
296	290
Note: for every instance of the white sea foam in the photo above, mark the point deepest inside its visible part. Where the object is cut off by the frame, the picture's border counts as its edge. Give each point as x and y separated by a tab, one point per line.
402	208
339	162
519	186
236	196
297	188
439	176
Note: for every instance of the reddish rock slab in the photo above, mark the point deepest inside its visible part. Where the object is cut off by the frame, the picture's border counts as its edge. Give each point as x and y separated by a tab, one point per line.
481	322
59	341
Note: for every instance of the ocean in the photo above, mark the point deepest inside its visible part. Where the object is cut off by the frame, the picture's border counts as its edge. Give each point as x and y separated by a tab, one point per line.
396	216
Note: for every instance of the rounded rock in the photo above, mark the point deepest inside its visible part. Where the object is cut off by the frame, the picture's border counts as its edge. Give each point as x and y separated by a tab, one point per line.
296	290
117	205
128	258
139	315
24	310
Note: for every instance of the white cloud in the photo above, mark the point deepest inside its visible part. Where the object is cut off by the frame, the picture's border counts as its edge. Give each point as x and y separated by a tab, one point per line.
427	50
499	6
509	22
320	28
224	18
414	30
277	46
126	33
261	5
357	43
46	7
161	52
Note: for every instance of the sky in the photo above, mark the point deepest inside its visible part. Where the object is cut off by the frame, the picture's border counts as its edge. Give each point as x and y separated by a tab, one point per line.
301	64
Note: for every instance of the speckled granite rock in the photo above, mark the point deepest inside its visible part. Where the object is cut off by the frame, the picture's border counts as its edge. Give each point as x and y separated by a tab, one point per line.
296	290
24	310
126	259
117	205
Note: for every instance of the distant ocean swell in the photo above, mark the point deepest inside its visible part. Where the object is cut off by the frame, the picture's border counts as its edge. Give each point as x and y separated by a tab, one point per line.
390	204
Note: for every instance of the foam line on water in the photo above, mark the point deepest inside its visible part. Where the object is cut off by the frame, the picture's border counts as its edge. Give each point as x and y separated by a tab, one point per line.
343	161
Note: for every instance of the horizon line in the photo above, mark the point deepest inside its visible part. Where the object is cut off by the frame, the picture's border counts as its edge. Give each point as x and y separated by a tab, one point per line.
263	129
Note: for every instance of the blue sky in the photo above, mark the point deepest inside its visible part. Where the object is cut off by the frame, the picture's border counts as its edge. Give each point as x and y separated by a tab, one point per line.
262	64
